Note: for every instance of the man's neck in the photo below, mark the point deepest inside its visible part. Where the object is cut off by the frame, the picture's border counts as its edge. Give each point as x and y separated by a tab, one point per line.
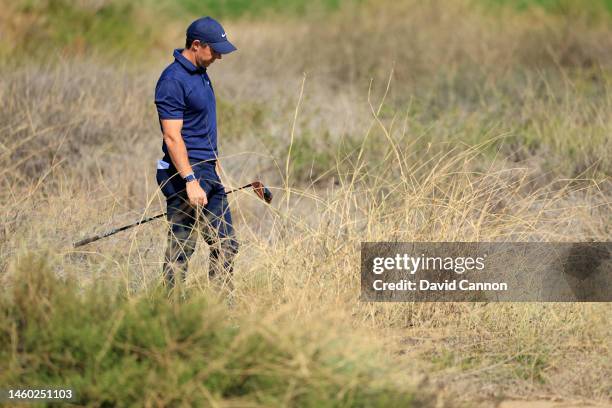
190	56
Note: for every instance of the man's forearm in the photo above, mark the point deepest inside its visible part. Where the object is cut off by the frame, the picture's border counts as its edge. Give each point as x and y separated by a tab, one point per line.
178	154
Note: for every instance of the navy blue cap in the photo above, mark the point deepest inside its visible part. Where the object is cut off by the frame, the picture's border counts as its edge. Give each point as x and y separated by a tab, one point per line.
209	31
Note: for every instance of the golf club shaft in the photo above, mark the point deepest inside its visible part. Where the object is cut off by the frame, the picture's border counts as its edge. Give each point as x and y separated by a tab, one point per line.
116	230
240	188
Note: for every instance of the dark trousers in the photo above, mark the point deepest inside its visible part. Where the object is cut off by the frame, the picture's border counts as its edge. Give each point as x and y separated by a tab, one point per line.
214	222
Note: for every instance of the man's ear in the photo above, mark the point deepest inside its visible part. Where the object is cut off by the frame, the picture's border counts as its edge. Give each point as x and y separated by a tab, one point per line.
202	45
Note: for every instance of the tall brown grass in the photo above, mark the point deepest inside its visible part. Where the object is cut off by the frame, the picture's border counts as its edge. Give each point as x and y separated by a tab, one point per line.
431	121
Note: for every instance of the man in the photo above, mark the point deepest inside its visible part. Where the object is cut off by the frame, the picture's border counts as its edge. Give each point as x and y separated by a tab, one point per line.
189	172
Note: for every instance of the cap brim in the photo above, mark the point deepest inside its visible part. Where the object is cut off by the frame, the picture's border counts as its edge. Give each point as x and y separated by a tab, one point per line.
224	47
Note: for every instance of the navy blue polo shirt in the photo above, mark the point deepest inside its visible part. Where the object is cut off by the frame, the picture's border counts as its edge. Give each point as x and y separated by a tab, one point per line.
184	91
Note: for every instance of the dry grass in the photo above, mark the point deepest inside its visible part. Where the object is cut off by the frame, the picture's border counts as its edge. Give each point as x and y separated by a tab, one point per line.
476	127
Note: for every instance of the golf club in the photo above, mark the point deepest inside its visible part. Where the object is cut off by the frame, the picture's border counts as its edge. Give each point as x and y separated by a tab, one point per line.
262	192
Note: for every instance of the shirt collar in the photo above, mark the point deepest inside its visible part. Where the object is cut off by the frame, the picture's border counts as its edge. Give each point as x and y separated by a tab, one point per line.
188	65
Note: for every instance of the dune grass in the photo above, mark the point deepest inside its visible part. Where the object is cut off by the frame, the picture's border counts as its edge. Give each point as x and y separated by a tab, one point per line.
463	125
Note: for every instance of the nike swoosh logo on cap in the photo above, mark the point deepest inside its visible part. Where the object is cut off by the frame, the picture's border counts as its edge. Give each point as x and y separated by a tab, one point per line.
223	35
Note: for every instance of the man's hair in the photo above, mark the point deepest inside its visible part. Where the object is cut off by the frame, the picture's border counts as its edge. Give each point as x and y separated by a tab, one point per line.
190	41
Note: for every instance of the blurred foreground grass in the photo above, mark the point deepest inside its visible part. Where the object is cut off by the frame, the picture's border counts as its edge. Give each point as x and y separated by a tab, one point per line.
147	350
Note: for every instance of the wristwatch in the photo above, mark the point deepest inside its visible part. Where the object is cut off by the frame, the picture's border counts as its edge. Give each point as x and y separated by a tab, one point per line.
189	177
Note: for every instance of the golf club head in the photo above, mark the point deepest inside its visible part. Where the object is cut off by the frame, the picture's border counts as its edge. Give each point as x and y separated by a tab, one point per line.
262	191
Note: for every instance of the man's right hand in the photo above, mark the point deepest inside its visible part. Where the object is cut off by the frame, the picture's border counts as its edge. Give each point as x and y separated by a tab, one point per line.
196	194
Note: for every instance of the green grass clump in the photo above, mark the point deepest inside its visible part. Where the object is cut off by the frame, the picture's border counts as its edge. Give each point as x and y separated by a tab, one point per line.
61	26
236	8
152	350
121	27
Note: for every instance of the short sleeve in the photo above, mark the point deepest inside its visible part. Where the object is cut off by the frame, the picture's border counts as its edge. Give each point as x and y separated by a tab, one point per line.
170	99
